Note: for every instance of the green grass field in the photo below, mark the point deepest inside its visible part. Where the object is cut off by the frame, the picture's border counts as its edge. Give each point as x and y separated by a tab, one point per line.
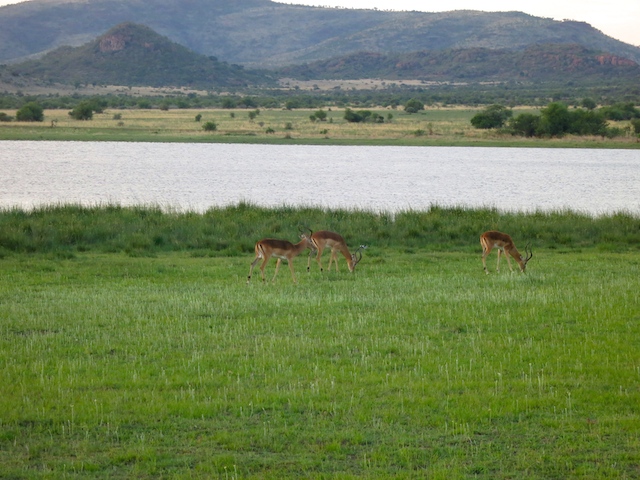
160	362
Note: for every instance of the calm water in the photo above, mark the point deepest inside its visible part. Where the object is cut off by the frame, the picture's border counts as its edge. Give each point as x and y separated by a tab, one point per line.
198	176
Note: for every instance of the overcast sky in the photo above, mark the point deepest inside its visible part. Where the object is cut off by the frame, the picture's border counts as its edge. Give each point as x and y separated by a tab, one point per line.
619	19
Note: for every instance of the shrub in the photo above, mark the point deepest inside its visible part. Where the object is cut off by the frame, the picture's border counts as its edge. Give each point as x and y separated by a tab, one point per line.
413	106
30	112
209	127
494	116
620	111
320	115
587	122
229	103
82	111
362	116
555	120
614	132
525	124
351	116
5	118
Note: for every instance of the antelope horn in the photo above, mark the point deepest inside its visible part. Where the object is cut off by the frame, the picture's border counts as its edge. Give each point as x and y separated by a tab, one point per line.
358	253
528	251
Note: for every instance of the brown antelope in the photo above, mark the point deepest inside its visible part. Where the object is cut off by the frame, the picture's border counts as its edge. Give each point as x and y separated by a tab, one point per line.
280	249
502	242
325	239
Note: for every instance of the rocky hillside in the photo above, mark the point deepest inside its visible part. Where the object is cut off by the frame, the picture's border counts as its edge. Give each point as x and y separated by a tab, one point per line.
536	63
131	54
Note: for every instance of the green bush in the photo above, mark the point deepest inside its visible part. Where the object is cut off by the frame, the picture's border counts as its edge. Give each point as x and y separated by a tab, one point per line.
210	127
525	124
413	106
320	115
494	116
362	116
30	112
82	111
620	111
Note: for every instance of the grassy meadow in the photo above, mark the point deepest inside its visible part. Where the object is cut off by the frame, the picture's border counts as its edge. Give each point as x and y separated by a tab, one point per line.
434	126
132	347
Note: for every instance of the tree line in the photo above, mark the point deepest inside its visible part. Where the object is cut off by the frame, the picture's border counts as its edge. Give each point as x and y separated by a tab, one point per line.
557	119
392	95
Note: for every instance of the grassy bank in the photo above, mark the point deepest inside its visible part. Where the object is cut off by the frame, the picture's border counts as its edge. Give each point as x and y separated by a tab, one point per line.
233	230
437	126
131	346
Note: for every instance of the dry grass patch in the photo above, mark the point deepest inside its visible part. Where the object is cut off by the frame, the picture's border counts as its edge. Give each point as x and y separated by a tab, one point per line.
435	125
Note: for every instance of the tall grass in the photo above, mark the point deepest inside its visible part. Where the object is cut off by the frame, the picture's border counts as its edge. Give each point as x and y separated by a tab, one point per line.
233	230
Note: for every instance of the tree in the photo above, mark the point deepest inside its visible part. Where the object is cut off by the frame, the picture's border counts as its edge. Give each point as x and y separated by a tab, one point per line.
555	120
587	122
588	103
82	111
525	124
228	102
362	116
30	112
413	106
620	111
494	116
320	115
352	117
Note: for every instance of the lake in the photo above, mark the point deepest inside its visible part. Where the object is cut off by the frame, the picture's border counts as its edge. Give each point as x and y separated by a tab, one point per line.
197	176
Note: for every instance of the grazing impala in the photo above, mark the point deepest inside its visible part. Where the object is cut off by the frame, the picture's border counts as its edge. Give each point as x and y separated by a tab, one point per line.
280	249
502	242
325	239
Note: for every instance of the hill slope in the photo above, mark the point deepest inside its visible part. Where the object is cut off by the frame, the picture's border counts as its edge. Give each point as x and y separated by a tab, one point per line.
268	34
131	54
536	63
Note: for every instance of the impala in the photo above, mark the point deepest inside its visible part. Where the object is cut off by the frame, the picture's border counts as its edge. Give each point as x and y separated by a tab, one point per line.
502	242
280	249
325	239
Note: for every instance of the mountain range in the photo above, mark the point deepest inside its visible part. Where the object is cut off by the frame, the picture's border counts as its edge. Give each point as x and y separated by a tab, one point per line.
210	44
537	63
267	34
